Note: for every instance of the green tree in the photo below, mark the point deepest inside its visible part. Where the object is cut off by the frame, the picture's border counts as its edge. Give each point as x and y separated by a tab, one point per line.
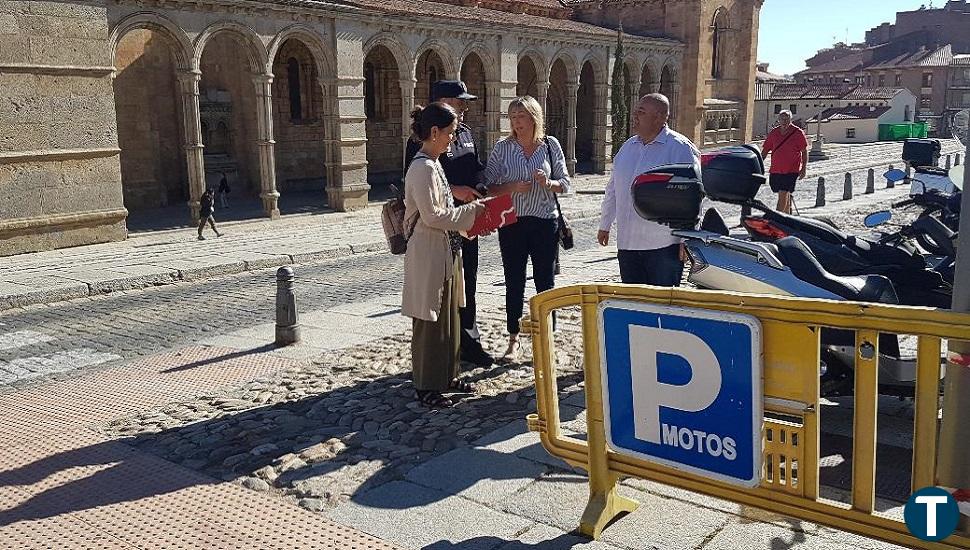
618	110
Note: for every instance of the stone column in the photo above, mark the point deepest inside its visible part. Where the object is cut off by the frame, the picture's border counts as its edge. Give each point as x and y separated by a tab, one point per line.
192	137
331	130
493	116
407	103
266	143
674	101
543	91
572	93
601	129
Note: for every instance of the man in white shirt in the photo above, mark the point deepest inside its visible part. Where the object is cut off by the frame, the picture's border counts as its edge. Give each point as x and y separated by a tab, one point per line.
647	252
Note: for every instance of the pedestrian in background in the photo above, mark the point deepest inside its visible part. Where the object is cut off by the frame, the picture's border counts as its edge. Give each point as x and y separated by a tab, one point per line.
433	281
206	213
788	147
465	173
532	168
647	252
224	191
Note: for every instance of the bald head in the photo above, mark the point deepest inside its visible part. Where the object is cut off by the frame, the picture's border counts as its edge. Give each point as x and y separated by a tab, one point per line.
650	116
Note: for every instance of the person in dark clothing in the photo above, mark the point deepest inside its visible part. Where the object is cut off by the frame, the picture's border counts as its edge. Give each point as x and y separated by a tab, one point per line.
465	173
206	211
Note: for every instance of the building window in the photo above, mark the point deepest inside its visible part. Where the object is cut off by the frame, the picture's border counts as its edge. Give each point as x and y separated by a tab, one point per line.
882	80
296	97
927	80
899	79
850	133
908	115
860	80
965	102
370	91
793	108
717	29
777	108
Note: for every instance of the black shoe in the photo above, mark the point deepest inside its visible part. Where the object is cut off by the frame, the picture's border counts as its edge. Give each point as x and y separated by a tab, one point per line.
476	355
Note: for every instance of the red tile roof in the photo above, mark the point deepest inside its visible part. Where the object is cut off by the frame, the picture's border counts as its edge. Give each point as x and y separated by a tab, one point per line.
861	93
808	91
851	113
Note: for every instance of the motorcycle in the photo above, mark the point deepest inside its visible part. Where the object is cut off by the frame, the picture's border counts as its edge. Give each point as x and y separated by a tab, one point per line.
787	267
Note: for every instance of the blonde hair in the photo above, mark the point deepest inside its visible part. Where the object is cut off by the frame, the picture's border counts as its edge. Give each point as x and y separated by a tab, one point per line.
531	106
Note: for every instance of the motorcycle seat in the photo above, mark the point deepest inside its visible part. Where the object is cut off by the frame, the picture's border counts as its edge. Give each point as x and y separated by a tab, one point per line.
805	266
816	228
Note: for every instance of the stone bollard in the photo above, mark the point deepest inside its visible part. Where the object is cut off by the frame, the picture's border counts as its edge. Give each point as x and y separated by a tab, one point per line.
820	193
847	189
947	165
909	171
890	183
871	182
287	329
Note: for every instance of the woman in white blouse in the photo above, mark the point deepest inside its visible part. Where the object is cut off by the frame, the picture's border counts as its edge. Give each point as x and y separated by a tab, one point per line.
532	168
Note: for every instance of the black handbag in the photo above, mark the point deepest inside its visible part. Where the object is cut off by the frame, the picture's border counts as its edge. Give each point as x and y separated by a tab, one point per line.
565	231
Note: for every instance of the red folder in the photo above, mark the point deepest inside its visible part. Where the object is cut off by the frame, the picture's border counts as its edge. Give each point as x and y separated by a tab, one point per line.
498	212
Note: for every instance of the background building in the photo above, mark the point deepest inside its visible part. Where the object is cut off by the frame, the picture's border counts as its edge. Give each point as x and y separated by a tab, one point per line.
112	107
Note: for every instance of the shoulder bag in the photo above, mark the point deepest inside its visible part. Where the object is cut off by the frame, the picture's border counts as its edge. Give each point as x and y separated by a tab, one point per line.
565	231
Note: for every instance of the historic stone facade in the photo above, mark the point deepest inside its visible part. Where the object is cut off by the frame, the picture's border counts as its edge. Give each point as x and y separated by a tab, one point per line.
115	105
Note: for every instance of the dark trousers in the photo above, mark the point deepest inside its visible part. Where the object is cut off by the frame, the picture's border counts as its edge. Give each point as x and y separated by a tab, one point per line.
434	345
211	221
660	267
534	238
469	261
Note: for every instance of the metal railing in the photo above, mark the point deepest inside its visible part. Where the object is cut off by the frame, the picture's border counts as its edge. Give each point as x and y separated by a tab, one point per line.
791	433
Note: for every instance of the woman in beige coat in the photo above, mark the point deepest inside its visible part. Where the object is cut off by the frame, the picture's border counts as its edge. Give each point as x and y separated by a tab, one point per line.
432	267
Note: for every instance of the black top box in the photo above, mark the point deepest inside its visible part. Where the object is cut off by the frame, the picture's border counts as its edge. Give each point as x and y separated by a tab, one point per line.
733	174
670	195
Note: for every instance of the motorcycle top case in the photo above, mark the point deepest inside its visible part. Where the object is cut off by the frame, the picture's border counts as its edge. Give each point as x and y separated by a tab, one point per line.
733	174
921	152
670	195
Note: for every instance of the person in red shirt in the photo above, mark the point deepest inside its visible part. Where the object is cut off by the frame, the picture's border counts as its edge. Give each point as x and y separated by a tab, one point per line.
788	147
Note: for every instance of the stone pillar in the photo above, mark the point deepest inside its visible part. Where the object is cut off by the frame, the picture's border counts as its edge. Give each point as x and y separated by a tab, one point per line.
543	98
192	137
408	86
331	129
572	93
349	188
493	116
601	129
266	143
674	101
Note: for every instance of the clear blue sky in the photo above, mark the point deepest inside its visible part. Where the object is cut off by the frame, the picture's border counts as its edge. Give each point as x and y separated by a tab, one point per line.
793	30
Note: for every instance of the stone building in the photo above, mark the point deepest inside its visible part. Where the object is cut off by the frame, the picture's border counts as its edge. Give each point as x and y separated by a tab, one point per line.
112	106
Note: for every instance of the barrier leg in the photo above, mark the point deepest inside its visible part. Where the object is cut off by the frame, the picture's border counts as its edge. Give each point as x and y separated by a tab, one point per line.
605	503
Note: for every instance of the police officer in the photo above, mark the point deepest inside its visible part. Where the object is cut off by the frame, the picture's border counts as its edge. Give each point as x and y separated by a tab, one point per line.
465	173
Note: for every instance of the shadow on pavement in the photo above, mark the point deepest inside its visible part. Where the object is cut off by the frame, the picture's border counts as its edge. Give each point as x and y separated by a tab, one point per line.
220	358
565	541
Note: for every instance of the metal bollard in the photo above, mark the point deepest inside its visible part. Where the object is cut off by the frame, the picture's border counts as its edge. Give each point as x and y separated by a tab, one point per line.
947	165
820	193
847	189
890	183
909	171
287	328
871	182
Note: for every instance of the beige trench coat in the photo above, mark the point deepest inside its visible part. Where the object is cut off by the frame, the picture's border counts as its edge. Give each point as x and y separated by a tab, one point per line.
428	262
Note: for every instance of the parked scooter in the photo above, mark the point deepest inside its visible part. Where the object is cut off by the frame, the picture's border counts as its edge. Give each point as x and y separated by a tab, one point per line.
787	267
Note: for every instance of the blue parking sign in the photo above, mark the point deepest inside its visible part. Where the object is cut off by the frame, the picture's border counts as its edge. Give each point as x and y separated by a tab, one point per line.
682	387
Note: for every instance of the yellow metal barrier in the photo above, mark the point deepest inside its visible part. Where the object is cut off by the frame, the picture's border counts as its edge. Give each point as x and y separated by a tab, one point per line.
790	466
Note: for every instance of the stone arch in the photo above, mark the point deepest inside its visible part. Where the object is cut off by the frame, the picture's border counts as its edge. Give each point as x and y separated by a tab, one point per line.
300	113
668	83
649	76
428	69
720	22
569	62
383	107
557	103
253	45
399	52
227	99
311	40
586	122
443	51
488	60
631	86
598	66
182	46
147	56
474	73
531	70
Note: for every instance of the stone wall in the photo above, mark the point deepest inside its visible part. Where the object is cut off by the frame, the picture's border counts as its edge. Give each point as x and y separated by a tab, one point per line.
60	178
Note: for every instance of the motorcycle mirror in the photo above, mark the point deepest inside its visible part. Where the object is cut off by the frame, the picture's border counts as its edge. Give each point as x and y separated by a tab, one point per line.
878	218
895	175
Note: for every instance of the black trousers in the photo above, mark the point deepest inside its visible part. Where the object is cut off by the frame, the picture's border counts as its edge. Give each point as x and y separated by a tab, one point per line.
660	267
469	264
530	237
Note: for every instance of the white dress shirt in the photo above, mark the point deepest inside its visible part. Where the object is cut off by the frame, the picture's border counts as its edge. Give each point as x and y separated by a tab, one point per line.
633	159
